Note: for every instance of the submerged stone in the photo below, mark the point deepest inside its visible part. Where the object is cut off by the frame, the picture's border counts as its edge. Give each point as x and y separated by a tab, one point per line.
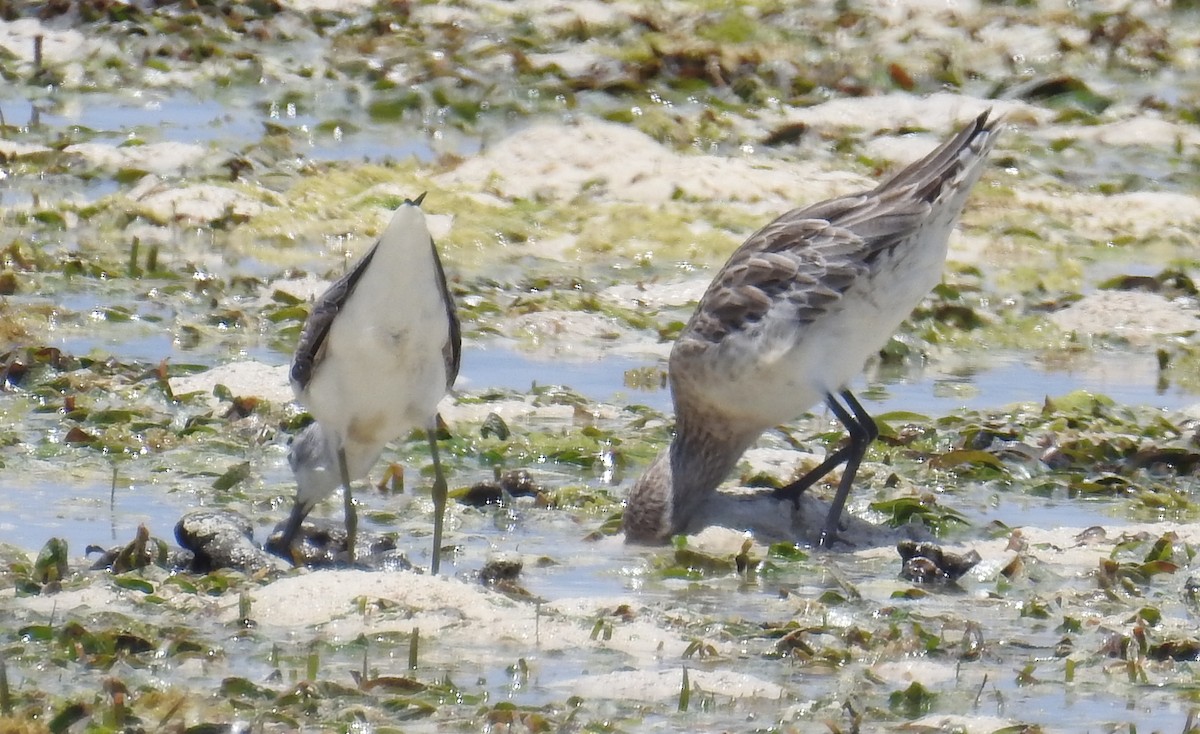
223	539
927	563
515	483
322	543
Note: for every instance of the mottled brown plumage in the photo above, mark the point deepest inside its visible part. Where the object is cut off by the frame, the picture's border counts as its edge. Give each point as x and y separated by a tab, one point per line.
792	317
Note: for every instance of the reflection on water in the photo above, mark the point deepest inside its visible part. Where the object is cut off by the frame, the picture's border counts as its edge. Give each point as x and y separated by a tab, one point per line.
85	514
238	121
934	391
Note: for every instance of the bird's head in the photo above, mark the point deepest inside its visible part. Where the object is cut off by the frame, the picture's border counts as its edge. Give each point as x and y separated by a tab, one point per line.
314	465
649	511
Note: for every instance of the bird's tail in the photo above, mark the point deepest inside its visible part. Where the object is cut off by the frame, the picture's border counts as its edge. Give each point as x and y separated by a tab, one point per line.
953	166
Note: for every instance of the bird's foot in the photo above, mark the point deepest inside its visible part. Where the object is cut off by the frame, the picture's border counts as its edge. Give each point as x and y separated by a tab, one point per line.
829	538
788	493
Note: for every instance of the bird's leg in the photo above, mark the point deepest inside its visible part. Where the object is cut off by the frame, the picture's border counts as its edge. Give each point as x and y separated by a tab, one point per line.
440	490
795	489
351	515
292	528
863	431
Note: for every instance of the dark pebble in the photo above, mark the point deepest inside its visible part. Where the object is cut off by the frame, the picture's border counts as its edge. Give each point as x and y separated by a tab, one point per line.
321	543
927	563
223	539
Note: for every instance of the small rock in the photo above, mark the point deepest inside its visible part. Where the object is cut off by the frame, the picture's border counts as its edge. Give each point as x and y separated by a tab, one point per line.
926	563
322	543
501	567
223	539
1091	536
515	483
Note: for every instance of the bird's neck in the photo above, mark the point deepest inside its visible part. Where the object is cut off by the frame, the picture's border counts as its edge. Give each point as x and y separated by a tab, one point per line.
702	454
683	477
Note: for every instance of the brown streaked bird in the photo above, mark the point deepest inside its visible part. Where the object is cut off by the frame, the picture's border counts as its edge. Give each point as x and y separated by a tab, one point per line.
791	318
376	355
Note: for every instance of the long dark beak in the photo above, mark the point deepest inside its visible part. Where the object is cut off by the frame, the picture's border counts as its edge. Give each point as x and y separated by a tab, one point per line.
417	201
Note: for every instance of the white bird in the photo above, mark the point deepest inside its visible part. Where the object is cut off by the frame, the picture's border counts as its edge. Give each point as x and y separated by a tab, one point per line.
791	318
376	355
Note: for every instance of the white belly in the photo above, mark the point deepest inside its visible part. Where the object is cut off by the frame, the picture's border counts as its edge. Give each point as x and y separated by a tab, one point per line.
383	371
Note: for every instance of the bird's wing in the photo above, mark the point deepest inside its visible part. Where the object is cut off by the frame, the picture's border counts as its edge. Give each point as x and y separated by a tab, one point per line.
944	165
452	350
798	267
311	348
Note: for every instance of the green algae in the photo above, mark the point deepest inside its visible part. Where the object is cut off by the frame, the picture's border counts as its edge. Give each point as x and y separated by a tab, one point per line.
728	62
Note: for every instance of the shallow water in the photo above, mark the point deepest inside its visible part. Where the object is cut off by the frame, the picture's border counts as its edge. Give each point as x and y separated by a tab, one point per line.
282	125
82	514
993	381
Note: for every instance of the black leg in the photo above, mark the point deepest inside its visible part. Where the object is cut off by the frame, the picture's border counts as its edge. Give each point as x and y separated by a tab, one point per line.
351	514
863	431
440	490
795	489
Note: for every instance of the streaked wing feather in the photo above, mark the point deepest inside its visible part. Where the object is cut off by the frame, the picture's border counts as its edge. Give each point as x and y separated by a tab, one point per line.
452	350
802	263
802	268
933	168
311	347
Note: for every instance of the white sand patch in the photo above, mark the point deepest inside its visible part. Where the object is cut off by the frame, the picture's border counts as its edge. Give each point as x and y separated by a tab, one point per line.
328	6
200	203
576	62
1036	44
578	336
523	410
312	598
565	13
939	112
564	329
783	463
620	163
166	158
969	248
657	295
456	614
550	14
1142	130
308	288
651	686
961	724
917	11
1140	213
1133	315
552	248
903	673
14	149
249	377
272	382
60	47
93	597
900	150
